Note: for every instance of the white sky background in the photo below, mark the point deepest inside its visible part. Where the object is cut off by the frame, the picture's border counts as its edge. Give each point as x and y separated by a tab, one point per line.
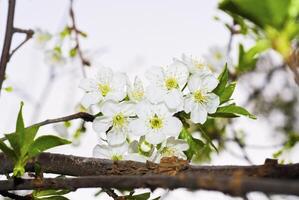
130	36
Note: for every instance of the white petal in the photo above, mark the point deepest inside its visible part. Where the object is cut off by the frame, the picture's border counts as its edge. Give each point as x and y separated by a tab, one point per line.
155	75
155	137
128	109
188	104
198	114
173	126
212	103
90	98
104	75
120	149
194	82
179	71
180	145
155	94
116	137
110	108
174	99
101	151
135	157
209	82
137	127
88	85
101	124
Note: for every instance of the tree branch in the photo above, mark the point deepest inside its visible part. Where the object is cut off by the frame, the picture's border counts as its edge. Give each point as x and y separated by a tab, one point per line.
7	40
236	186
77	32
92	172
82	166
9	32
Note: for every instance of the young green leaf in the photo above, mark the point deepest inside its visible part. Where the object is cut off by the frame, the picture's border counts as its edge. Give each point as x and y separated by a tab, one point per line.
50	192
143	196
44	143
194	144
20	127
207	137
54	198
233	110
8	151
223	79
29	136
227	92
13	139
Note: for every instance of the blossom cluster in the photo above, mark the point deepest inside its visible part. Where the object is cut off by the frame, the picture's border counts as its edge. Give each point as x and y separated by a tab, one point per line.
143	123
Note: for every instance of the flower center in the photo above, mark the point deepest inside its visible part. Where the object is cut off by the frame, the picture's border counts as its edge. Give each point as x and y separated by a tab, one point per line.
171	83
156	122
138	95
198	64
167	152
117	157
104	88
218	55
118	120
199	97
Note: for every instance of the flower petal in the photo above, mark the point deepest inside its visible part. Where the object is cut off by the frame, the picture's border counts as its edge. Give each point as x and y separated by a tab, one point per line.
110	108
101	151
90	98
212	102
199	114
101	124
174	99
173	126
88	85
137	127
116	137
155	94
155	137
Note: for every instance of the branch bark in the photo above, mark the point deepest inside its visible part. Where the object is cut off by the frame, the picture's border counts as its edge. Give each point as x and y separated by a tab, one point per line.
7	40
9	32
83	166
236	186
92	172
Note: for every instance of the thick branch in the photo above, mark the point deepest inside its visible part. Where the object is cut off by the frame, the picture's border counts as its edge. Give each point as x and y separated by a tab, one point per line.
82	166
7	40
237	186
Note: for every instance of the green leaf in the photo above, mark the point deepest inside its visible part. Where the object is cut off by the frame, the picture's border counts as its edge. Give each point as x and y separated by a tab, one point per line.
73	52
8	89
54	198
144	196
223	79
248	59
8	151
13	140
29	136
50	192
195	145
207	137
227	92
44	143
20	127
233	110
261	12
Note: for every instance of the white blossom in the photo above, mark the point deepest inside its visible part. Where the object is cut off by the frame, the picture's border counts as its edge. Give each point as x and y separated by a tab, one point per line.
113	152
115	117
196	65
136	91
106	86
173	147
155	122
201	100
54	57
217	58
41	38
167	84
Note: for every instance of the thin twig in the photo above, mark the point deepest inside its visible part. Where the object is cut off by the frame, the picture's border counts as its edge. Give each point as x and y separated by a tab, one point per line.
77	32
29	34
111	193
